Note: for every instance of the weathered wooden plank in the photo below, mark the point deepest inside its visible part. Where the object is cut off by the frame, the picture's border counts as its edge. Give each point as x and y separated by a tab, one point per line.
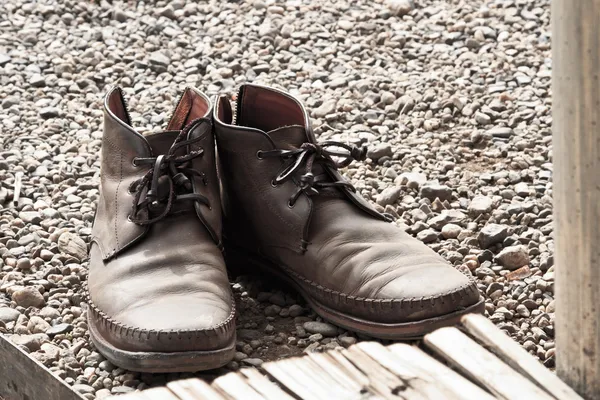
453	382
236	387
263	385
517	357
576	191
159	393
482	366
381	381
349	368
295	382
421	381
336	372
22	377
129	396
304	370
194	389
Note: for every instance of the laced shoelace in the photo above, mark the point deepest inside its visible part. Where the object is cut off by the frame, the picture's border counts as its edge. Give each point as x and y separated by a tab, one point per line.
175	169
307	155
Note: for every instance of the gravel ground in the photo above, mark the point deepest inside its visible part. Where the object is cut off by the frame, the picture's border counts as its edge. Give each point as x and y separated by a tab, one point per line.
451	96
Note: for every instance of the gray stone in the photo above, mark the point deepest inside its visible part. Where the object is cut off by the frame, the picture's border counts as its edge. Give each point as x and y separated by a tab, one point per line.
23	264
501	132
451	231
388	196
323	328
434	191
37	325
522	189
8	315
439	221
72	245
481	118
49	112
427	236
411	179
400	7
32	342
379	151
160	59
492	234
480	205
59	329
28	297
328	107
4	59
37	80
296	310
347	341
513	257
255	362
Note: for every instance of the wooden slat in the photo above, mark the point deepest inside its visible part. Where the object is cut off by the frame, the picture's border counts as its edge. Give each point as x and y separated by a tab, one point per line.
454	383
193	389
297	387
482	366
576	190
236	387
129	396
321	384
22	377
517	357
336	372
381	381
349	368
159	393
419	380
263	385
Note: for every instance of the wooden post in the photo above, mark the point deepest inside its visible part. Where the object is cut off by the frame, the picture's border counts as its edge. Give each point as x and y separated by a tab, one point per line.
576	148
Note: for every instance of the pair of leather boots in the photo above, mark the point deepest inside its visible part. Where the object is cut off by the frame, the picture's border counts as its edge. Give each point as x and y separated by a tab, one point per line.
174	210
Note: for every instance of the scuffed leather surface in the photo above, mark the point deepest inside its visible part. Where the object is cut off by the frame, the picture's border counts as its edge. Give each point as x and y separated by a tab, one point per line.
120	144
355	262
168	291
251	197
173	283
210	216
372	261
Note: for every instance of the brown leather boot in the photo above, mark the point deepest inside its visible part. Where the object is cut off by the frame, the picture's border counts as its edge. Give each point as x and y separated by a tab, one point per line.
288	211
159	296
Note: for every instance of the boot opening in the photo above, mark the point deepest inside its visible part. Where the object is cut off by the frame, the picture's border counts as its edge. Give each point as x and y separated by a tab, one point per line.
223	110
116	105
191	106
267	109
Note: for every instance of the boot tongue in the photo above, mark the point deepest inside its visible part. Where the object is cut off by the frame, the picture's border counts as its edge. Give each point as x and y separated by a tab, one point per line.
161	142
289	137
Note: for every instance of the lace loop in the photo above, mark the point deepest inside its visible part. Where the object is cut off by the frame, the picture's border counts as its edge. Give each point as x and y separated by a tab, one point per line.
307	155
175	171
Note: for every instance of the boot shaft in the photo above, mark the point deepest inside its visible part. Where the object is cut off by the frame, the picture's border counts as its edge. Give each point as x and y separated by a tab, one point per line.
275	193
123	147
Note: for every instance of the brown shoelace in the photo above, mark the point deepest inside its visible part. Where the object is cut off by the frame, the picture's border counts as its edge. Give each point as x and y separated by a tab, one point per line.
307	155
175	170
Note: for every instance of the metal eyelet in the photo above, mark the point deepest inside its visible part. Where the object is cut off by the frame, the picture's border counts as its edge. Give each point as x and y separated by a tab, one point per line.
130	190
290	205
274	184
129	219
134	163
259	154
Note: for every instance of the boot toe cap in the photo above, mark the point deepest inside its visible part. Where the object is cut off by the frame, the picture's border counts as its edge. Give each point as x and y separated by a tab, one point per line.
169	323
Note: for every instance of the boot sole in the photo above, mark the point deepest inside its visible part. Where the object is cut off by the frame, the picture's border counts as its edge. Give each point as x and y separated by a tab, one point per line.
236	258
154	362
